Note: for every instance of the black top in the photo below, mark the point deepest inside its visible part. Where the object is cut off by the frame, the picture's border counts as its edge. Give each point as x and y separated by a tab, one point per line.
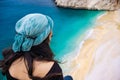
55	69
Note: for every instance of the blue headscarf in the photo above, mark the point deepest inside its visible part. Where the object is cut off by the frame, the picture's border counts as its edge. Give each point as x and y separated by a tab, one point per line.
31	30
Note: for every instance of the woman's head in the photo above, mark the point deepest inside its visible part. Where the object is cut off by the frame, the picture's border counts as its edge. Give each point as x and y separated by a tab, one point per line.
33	33
31	30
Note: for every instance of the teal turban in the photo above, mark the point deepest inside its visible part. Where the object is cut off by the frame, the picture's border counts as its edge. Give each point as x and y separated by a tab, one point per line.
31	30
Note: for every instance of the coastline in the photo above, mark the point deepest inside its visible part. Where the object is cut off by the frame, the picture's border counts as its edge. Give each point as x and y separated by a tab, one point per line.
99	50
88	4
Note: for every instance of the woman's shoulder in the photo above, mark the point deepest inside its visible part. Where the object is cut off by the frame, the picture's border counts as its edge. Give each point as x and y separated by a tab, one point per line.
41	68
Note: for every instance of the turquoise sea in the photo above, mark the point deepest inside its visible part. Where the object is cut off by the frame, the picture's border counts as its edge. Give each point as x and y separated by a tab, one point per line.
69	24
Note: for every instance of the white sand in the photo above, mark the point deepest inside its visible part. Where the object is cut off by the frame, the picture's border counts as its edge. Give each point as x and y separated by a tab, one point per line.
99	57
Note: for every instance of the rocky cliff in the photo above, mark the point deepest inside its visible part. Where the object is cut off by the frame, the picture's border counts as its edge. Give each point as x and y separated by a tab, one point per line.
90	4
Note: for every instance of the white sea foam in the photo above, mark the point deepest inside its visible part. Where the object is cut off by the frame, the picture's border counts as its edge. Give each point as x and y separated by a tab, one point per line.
101	15
71	56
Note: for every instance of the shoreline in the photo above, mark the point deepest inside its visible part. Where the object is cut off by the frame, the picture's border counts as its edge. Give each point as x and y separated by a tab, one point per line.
105	34
81	41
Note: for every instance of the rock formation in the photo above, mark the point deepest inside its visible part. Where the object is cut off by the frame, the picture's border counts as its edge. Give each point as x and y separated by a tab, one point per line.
90	4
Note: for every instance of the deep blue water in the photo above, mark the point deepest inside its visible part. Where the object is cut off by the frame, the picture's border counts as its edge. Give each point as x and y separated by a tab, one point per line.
68	23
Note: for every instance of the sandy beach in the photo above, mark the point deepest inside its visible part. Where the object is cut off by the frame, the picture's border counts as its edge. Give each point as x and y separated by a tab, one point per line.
99	56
